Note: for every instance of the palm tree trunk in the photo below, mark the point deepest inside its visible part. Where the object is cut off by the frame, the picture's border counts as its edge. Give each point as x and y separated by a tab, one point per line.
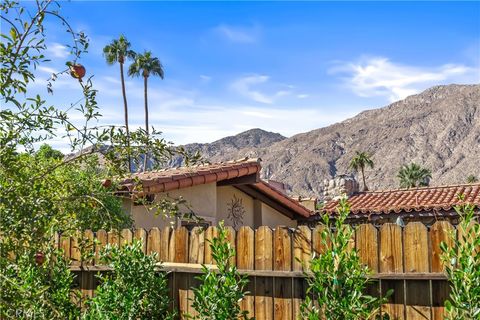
146	122
364	183
125	110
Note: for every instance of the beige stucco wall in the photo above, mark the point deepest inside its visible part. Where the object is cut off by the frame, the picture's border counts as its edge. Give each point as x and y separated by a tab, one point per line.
225	197
273	218
213	204
201	198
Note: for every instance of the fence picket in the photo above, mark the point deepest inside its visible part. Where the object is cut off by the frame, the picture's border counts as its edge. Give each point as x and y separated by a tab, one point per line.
417	260
153	242
263	285
141	235
126	237
210	233
101	242
367	246
197	245
391	261
282	262
245	260
439	232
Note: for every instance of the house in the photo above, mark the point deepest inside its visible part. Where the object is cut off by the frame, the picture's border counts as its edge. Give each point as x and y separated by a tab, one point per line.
230	191
426	204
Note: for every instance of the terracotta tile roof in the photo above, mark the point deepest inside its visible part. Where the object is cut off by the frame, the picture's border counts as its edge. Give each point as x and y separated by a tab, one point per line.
282	198
184	177
407	200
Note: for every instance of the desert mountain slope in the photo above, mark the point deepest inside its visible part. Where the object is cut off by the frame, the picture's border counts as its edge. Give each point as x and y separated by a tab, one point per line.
438	128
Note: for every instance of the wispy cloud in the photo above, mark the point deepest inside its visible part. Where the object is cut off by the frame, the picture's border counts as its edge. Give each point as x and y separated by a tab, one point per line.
205	78
247	86
238	34
57	50
378	76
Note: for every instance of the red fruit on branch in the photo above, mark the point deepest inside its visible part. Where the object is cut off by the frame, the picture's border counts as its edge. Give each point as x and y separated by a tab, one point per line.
106	183
77	71
39	258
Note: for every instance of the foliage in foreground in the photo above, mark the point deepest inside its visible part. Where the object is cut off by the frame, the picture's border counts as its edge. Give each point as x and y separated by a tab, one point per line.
133	290
36	289
42	192
218	296
462	265
338	279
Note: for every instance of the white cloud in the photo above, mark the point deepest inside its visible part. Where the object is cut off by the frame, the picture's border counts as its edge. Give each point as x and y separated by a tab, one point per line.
303	96
248	87
378	76
57	50
238	34
47	70
205	78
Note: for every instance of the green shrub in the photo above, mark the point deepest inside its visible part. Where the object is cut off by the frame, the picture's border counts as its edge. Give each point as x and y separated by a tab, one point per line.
218	296
338	279
35	290
133	290
462	265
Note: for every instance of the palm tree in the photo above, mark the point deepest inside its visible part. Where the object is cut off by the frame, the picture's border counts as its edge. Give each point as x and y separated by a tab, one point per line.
359	162
146	65
472	179
119	51
413	175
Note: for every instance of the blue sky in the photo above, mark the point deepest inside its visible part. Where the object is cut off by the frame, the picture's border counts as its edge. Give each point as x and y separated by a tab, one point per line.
287	67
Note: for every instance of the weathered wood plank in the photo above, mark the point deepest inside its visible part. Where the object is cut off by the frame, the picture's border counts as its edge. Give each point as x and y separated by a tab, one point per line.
197	245
391	261
264	285
245	248
88	237
165	244
367	246
417	260
179	245
231	234
302	248
439	232
153	243
318	245
210	234
126	237
113	237
141	235
101	242
282	252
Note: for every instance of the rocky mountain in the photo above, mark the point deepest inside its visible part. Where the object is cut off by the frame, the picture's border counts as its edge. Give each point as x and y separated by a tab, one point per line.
438	128
242	143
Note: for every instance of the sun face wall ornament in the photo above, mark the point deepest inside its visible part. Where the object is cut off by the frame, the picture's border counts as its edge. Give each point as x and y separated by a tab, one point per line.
235	211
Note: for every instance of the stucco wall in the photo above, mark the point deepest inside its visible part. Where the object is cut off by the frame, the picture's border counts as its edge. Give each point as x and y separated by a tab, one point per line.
228	197
214	204
201	198
273	218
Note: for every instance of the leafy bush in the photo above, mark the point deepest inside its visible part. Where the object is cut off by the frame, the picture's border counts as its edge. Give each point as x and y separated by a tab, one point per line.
36	289
462	265
338	279
133	289
221	290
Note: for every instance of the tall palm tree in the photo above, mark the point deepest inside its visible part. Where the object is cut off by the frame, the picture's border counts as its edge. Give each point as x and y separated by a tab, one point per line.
413	175
146	65
118	51
359	162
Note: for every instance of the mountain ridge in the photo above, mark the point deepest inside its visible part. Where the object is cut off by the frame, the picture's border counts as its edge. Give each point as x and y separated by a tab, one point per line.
438	128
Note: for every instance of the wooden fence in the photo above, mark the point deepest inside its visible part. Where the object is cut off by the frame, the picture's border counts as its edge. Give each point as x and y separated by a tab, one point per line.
404	259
